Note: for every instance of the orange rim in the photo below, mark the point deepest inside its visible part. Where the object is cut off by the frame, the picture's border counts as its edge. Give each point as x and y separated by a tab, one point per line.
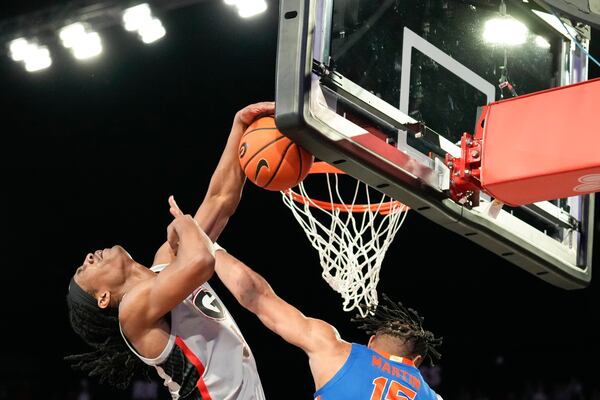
322	167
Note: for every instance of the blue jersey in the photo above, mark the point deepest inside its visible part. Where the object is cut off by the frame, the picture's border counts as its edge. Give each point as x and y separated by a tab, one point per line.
370	375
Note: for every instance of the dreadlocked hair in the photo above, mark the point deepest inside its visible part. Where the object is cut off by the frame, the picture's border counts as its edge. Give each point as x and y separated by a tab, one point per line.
110	361
396	320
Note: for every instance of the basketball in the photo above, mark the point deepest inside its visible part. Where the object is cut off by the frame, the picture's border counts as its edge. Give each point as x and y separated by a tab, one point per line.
270	159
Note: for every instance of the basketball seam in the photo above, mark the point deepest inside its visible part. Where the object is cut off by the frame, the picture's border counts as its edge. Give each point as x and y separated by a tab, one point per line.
279	165
261	149
255	129
259	129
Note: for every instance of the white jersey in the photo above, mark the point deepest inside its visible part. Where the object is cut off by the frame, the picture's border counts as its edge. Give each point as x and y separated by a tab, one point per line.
206	357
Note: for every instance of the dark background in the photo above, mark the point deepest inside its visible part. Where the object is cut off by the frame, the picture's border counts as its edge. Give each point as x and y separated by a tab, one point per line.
90	153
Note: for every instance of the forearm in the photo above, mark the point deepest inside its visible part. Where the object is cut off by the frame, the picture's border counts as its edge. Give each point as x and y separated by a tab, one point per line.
225	188
228	179
191	267
247	286
254	293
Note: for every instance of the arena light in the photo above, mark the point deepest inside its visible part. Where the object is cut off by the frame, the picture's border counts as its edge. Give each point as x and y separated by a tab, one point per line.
248	8
38	60
84	43
34	57
251	8
135	17
506	31
19	49
152	31
140	19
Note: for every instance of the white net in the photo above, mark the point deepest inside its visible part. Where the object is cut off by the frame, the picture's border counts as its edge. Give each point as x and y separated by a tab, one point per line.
351	239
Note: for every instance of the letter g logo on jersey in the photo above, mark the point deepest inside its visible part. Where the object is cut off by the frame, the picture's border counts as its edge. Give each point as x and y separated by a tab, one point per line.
208	304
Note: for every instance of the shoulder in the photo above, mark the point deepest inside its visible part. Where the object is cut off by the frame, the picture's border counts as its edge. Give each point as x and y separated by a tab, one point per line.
327	336
136	298
328	345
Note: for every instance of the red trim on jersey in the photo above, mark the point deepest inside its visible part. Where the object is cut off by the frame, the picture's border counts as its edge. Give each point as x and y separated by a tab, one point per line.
402	360
199	367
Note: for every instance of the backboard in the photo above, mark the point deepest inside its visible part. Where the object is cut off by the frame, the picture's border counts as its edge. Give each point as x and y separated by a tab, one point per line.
385	89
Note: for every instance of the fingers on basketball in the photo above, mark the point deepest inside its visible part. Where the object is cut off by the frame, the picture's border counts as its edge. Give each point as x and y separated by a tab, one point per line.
270	159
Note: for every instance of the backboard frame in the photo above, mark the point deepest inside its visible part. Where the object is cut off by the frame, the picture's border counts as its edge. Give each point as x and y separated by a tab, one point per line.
419	183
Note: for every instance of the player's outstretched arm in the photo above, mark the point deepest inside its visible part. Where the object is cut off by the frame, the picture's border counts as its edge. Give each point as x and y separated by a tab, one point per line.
225	187
326	350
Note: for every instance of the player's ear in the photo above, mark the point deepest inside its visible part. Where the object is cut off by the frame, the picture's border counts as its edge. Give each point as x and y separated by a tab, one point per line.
371	341
418	360
104	299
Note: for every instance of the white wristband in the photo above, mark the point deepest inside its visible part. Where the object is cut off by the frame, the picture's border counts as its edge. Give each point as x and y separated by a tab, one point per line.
217	247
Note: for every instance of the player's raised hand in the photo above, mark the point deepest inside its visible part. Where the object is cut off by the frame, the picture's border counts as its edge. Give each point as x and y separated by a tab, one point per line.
185	224
178	226
174	208
253	111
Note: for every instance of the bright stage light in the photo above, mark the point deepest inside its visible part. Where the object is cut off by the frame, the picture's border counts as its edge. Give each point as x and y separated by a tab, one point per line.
34	57
152	31
505	31
139	19
38	60
19	49
88	46
135	17
248	8
84	44
70	35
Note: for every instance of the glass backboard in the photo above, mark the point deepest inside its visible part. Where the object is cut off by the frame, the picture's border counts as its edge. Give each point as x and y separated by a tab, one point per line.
384	90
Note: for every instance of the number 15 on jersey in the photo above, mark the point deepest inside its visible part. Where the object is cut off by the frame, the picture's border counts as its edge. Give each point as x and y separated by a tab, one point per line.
395	390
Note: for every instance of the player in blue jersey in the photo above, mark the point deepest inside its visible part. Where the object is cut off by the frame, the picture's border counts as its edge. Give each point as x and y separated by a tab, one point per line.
385	369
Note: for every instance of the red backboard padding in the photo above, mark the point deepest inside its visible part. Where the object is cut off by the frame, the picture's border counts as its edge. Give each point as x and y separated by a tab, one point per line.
542	146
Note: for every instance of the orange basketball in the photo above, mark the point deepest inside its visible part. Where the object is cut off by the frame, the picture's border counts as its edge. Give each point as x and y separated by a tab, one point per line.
270	159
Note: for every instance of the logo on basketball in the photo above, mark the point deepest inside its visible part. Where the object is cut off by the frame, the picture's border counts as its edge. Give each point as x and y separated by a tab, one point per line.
208	304
588	183
262	163
243	149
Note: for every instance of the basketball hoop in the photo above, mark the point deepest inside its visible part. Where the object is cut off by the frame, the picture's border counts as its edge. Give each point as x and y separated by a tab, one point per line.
351	238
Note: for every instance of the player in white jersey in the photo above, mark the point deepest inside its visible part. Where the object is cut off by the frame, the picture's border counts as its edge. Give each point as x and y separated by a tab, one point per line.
168	317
